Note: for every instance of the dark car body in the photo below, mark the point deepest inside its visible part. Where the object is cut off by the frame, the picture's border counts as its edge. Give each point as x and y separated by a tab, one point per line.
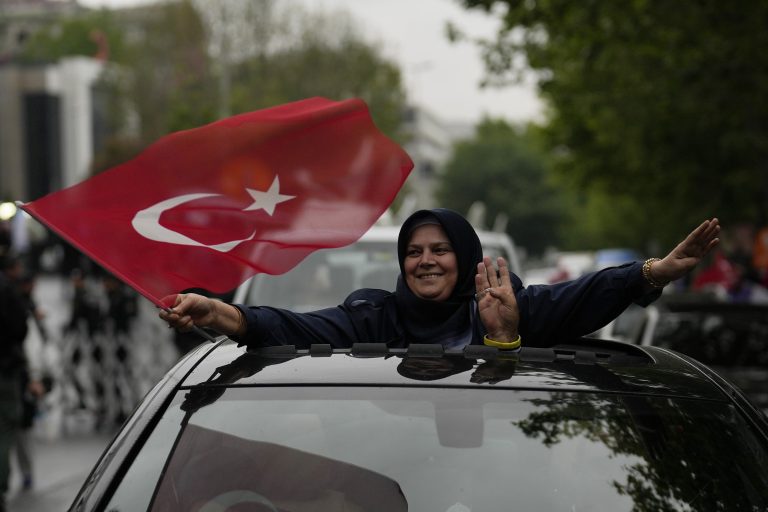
729	337
587	425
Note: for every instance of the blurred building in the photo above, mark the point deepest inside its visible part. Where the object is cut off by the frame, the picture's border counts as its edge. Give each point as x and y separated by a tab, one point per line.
430	146
46	125
48	120
52	123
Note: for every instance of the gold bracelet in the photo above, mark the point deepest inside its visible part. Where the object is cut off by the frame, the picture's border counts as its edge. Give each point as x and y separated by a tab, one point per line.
504	345
647	273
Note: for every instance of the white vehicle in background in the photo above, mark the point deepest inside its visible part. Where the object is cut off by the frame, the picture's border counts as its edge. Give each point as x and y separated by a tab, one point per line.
327	276
559	266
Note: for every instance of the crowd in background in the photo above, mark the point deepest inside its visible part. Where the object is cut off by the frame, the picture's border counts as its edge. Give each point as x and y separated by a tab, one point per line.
736	271
84	359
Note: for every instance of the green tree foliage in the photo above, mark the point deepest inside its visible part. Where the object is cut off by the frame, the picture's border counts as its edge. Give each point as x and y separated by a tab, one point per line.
162	71
170	82
83	35
329	58
502	167
658	104
671	464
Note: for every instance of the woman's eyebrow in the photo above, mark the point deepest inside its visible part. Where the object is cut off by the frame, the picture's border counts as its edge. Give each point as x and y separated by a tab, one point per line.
429	244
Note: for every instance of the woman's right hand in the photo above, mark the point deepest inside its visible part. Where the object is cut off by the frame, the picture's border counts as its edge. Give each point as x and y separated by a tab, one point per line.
190	310
496	300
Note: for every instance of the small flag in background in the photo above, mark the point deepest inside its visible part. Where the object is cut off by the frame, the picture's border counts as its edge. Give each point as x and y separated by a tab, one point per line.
210	207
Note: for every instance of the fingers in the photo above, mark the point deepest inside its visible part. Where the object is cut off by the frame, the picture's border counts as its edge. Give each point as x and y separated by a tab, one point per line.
711	245
185	324
709	236
713	230
481	282
700	241
486	277
177	316
707	231
490	272
490	282
504	279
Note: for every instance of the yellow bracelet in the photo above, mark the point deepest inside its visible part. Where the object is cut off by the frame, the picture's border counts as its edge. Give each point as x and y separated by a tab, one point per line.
504	345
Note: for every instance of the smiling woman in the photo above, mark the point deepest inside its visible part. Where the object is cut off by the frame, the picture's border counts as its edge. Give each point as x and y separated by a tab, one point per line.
449	293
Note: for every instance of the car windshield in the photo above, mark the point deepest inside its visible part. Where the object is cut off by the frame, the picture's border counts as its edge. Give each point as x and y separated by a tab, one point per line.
447	450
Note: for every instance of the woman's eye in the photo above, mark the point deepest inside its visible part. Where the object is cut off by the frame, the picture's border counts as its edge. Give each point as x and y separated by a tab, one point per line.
412	252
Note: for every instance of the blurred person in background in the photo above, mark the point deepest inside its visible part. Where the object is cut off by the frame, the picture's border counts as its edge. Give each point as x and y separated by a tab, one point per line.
746	286
760	255
13	326
33	385
732	275
117	376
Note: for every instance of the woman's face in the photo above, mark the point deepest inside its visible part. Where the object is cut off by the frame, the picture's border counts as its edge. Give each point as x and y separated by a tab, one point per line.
431	270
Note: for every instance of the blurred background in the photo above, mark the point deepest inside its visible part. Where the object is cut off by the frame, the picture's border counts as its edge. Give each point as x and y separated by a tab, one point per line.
592	133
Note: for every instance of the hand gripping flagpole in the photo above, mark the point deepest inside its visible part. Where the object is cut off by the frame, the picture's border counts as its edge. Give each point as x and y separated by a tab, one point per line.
195	329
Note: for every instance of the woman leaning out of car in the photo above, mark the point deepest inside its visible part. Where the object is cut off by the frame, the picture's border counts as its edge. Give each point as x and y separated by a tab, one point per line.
448	293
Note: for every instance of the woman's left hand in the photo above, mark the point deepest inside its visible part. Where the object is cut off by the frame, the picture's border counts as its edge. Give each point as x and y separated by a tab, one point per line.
496	301
688	253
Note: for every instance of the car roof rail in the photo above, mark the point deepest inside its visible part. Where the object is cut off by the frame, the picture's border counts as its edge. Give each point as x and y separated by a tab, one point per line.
580	351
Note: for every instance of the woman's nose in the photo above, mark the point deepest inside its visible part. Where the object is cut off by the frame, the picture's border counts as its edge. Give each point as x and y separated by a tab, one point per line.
427	258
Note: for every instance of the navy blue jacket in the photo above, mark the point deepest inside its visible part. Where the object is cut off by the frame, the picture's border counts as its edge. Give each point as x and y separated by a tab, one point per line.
548	313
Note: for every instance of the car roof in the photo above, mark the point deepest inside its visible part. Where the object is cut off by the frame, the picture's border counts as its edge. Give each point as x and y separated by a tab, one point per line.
584	365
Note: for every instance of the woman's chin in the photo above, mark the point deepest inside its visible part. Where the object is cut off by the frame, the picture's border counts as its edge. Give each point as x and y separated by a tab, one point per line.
430	295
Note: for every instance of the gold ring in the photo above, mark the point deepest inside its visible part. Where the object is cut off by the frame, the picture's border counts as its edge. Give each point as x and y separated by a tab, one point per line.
479	295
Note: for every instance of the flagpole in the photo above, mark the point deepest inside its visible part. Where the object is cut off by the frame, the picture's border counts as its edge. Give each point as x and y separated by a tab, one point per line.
195	329
204	334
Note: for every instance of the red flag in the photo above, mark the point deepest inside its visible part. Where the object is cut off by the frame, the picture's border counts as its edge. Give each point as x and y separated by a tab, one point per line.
258	192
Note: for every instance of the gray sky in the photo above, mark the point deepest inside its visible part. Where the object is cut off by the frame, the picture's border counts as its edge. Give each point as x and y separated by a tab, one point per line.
440	76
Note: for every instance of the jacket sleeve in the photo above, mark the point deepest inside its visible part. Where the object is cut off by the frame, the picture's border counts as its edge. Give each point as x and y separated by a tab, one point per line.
365	316
550	313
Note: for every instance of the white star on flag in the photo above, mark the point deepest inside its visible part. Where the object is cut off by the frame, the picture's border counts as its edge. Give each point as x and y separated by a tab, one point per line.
267	200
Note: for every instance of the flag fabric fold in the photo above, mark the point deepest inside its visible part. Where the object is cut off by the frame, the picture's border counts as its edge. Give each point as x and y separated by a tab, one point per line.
210	207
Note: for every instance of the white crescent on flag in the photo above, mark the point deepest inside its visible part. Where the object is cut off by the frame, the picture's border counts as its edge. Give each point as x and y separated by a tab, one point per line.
146	222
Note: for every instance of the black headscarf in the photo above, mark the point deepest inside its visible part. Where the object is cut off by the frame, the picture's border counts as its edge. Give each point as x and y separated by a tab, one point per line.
431	321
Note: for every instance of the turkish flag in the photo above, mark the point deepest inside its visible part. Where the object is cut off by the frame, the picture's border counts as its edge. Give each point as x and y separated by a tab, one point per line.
258	192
